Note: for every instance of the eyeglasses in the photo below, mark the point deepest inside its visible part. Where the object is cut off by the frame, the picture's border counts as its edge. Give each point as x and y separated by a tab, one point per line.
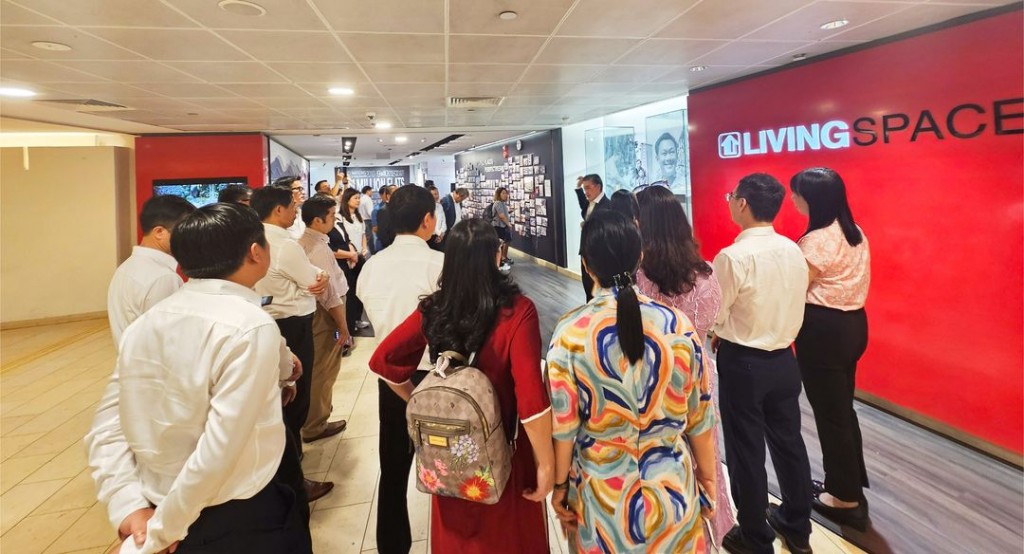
729	196
296	189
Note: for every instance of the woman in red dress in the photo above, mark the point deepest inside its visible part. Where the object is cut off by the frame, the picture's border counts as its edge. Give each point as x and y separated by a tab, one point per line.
477	309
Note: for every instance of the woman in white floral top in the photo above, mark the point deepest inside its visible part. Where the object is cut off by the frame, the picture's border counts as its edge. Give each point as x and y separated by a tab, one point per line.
833	338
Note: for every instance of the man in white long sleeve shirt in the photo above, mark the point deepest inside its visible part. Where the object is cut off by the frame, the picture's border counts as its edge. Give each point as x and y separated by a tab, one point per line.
188	437
149	275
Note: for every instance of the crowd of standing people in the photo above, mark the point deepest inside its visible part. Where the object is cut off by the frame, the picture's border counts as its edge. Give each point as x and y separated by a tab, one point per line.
197	443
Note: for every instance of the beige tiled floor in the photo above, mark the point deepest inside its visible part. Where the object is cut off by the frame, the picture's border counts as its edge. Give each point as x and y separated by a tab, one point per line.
52	377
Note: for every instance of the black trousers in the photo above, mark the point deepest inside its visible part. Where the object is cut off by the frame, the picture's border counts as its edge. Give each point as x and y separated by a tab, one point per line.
588	284
289	473
759	395
353	305
370	242
267	523
828	347
298	333
394	535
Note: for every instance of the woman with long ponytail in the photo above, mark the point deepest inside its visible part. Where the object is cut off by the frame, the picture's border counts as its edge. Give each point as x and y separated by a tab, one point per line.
627	384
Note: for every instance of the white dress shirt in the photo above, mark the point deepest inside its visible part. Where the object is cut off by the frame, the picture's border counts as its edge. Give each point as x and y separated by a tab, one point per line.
593	203
145	278
355	231
441	226
315	245
458	211
366	207
289	276
394	279
763	277
191	417
299	226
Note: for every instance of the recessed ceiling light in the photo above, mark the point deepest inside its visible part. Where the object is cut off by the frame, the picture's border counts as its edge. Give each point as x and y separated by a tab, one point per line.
16	92
383	125
799	57
423	140
508	15
51	46
242	7
835	24
380	140
698	68
341	91
401	140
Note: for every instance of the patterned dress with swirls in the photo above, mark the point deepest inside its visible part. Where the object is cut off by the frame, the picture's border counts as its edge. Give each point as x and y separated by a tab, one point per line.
632	481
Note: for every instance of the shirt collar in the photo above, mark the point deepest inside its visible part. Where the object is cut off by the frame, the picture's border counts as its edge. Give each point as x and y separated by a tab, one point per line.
316	235
158	256
224	287
277	232
756	232
598	199
411	240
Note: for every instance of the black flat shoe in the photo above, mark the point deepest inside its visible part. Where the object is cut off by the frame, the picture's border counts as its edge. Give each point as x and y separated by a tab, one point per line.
851	517
734	543
792	542
817	487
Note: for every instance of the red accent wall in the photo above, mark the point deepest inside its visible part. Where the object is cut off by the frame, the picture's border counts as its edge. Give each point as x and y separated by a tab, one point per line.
198	156
944	217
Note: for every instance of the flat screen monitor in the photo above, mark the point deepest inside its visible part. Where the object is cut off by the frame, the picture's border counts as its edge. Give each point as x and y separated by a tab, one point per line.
199	192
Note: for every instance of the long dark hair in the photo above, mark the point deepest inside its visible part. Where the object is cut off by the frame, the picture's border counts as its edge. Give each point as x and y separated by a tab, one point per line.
825	193
343	208
671	258
611	250
471	290
625	202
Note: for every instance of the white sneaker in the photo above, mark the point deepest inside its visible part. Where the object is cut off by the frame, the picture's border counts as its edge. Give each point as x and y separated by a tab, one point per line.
361	324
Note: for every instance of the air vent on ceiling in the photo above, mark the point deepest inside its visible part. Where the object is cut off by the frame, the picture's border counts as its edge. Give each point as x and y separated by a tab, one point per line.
382	155
475	102
88	105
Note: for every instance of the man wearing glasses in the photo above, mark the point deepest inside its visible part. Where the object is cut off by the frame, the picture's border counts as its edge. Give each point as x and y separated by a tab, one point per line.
298	188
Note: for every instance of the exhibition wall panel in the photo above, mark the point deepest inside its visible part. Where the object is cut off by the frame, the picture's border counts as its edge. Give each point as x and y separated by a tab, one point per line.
927	133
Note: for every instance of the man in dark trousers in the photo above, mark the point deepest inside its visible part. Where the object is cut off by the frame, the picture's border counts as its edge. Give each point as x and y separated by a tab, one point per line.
763	277
590	194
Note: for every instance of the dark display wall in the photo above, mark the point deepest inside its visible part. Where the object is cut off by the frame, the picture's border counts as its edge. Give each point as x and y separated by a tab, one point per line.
927	134
531	170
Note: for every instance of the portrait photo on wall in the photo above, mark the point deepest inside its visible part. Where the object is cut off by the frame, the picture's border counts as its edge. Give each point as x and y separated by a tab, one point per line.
667	155
285	162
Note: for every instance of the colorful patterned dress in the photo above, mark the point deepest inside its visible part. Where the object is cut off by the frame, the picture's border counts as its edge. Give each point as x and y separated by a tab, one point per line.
633	486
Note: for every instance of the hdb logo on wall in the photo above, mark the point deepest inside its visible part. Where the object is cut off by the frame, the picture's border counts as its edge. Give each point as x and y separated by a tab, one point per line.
964	121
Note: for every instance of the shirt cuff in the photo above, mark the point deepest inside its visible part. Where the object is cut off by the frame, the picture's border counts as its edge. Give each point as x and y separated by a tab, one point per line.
535	416
125	501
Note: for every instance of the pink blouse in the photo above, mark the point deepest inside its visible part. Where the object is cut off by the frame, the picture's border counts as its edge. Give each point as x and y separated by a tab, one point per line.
844	271
700	304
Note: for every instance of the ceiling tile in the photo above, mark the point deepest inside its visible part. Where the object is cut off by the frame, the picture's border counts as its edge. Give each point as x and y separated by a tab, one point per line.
163	105
366	102
83	46
615	18
230	72
405	72
196	90
631	74
749	52
682	76
339	74
675	89
484	72
281	15
266	90
913	17
101	91
398	48
38	71
133	71
6	54
417	102
560	73
411	90
288	45
544	89
584	50
490	49
479	89
286	101
16	15
110	13
670	51
480	17
172	44
388	16
528	101
805	24
227	103
811	50
728	20
603	88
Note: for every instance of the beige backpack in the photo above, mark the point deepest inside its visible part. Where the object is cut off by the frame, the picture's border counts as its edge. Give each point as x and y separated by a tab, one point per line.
454	420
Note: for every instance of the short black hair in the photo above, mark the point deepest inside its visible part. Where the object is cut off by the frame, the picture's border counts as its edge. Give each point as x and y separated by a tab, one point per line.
663	138
234	194
764	195
318	206
430	187
367	189
285	181
214	240
462	191
625	203
163	211
428	183
594	178
265	199
384	190
408	206
316	187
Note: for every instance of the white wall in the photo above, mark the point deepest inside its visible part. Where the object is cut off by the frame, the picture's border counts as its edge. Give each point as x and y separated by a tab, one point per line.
574	163
63	223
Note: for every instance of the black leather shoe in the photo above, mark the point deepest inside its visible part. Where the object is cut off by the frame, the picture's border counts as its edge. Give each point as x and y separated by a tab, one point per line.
734	542
795	545
316	490
851	517
817	487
